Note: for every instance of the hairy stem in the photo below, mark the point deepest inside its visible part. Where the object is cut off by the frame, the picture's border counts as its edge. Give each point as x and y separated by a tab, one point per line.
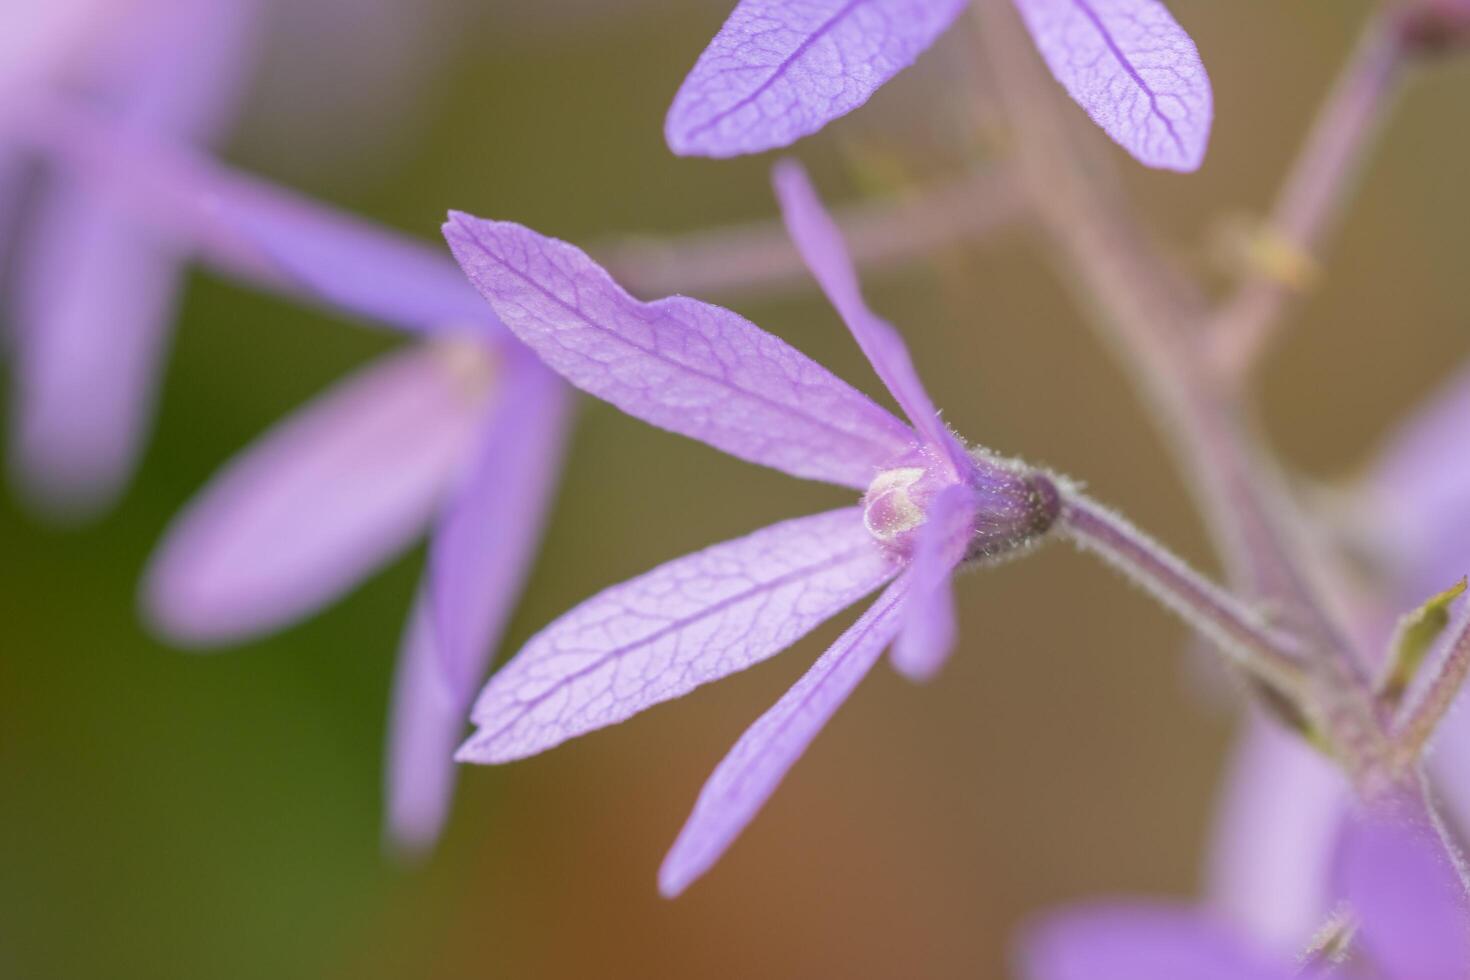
1442	678
1240	631
1144	307
1315	192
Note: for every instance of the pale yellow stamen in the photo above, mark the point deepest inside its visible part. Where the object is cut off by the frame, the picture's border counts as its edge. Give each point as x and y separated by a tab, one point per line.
889	510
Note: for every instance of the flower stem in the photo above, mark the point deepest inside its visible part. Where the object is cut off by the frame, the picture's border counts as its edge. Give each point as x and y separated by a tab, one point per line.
1315	191
1240	631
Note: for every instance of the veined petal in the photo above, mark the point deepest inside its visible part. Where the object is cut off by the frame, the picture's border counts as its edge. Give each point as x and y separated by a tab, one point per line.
321	500
658	636
1135	71
779	70
820	243
425	723
928	633
1135	941
1407	898
486	539
686	366
746	778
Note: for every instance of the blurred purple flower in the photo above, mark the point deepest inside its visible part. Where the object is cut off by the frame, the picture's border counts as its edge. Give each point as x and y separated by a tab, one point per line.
705	372
779	70
462	431
1403	918
95	287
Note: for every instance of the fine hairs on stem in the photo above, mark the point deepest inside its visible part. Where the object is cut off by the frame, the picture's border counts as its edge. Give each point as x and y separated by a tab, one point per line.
1157	322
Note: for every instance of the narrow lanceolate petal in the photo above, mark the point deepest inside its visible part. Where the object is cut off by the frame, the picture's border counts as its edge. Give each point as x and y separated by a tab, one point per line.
782	69
321	501
425	723
1133	941
1407	898
677	363
747	777
929	629
338	259
486	538
820	243
693	620
264	235
1135	71
96	294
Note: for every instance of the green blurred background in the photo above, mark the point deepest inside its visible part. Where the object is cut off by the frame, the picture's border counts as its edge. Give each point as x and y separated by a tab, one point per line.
164	814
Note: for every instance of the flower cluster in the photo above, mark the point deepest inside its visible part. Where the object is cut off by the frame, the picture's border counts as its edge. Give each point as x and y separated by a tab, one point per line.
458	436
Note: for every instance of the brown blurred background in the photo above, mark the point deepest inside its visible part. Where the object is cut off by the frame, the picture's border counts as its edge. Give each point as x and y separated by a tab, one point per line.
171	815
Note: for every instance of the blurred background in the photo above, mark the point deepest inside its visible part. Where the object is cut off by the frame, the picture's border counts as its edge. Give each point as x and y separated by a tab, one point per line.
165	814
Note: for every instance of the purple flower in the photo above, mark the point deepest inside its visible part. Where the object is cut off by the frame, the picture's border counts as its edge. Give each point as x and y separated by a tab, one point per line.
460	433
1403	918
95	287
705	372
781	69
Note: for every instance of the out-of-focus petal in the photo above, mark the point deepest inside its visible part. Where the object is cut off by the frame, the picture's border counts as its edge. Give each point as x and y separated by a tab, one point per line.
1280	808
1416	497
95	297
1141	941
1408	900
746	778
1135	71
37	36
262	234
820	243
485	541
174	68
425	723
320	501
928	633
658	636
95	293
686	366
779	70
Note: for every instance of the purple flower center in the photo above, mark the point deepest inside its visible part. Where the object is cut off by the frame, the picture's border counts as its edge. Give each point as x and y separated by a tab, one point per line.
1015	505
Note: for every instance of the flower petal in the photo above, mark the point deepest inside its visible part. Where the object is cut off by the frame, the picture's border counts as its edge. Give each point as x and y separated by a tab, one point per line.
267	236
95	296
425	723
658	636
1408	899
94	300
779	70
1135	71
928	633
319	502
677	363
1417	495
820	243
1139	941
345	262
1278	815
486	539
746	778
